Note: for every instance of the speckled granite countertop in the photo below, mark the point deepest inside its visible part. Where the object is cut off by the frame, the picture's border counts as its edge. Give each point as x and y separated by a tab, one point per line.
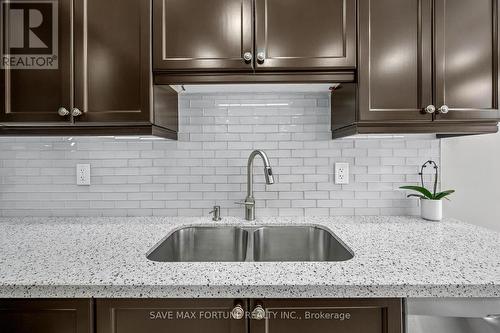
105	257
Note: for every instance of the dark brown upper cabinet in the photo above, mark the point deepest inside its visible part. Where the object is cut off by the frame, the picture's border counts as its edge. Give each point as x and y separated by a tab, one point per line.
39	95
238	41
107	79
194	35
102	85
46	316
112	66
395	81
430	68
466	60
305	35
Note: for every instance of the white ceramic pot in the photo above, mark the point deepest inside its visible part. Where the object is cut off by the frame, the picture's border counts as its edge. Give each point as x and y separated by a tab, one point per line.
431	210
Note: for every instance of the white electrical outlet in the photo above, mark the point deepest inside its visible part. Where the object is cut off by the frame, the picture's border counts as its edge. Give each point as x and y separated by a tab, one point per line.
341	173
83	174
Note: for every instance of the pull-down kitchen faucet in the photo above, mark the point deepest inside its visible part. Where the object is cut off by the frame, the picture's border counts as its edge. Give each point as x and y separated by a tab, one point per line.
268	173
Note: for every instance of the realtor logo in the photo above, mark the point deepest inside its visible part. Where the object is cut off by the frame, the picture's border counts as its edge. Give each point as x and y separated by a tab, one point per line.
29	34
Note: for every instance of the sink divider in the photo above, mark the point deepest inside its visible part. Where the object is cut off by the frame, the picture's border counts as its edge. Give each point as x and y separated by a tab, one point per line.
249	256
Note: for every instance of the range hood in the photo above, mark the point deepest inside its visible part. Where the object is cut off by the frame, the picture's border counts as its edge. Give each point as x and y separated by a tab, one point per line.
282	88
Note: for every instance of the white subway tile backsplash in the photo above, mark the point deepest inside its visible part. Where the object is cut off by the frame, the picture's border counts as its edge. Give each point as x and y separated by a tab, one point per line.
367	211
207	166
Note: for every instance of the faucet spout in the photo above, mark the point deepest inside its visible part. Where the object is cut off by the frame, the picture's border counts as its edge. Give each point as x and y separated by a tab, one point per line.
268	173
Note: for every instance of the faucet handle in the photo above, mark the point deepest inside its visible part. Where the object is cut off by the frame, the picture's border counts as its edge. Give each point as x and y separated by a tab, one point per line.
216	214
246	203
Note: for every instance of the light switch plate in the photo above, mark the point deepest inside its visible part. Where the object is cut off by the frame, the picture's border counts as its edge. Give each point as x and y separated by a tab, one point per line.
341	173
83	174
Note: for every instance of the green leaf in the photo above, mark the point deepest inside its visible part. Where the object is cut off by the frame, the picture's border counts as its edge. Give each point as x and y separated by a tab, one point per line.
419	189
443	194
416	196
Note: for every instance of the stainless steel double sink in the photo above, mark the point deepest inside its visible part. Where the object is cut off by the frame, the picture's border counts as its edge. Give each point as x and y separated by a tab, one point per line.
237	244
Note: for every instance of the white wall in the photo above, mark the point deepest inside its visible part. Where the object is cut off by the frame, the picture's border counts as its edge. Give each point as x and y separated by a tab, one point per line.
471	165
207	166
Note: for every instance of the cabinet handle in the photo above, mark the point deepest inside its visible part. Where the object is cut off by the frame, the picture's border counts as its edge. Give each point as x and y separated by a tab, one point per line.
430	109
238	312
63	112
444	109
261	56
247	56
76	112
258	313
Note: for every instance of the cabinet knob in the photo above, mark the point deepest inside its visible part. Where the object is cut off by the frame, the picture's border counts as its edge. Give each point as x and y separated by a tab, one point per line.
261	56
63	112
430	109
444	109
247	56
76	112
258	313
238	312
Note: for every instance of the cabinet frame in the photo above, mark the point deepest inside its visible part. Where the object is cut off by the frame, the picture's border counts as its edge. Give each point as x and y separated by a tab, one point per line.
27	117
424	59
439	37
346	61
162	63
109	117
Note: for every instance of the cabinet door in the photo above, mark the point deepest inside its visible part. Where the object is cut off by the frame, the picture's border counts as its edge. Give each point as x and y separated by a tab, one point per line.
326	316
46	316
169	315
466	59
202	35
112	61
39	82
395	53
305	35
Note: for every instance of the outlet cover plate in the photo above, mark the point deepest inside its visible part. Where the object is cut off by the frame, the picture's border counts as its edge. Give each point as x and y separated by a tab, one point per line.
83	174
341	173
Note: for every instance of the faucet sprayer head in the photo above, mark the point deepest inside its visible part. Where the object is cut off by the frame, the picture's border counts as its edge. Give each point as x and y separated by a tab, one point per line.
268	172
